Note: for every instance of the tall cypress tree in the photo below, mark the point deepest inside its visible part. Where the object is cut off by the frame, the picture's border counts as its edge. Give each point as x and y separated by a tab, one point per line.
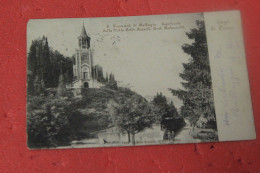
47	64
197	95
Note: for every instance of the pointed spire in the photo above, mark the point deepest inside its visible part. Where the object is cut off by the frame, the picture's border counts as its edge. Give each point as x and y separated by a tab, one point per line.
83	31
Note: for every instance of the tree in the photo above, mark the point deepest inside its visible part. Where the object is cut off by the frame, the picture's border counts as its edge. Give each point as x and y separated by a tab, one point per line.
97	71
106	79
111	77
167	115
61	87
47	124
160	100
54	121
197	95
160	106
110	82
131	115
46	65
39	59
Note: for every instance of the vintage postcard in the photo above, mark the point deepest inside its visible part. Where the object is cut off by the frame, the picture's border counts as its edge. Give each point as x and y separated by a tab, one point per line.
142	80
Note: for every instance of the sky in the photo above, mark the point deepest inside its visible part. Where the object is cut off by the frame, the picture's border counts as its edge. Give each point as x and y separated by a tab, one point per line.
146	61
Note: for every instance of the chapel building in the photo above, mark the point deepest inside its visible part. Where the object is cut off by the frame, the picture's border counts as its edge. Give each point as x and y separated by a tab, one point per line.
83	69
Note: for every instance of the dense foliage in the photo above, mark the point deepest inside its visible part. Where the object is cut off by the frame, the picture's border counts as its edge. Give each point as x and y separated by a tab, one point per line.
197	95
45	66
55	117
131	114
168	115
53	121
56	120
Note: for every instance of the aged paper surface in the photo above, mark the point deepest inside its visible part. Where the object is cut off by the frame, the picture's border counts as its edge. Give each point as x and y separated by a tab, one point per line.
229	76
143	80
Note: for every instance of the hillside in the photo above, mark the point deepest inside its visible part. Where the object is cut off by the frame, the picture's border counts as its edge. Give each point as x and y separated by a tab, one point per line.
58	120
94	102
54	120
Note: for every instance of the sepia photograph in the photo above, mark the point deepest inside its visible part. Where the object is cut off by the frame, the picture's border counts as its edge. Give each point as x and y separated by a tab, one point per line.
122	81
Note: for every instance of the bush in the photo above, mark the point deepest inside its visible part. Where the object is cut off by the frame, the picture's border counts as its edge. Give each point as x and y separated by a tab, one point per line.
112	85
52	121
47	128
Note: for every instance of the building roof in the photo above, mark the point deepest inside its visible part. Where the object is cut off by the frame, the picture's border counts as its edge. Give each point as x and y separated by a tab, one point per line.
83	32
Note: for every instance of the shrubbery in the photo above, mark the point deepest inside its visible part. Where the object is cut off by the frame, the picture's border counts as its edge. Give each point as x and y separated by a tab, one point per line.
168	115
112	85
52	121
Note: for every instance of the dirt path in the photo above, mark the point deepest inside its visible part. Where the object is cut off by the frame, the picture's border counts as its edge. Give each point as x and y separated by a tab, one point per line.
184	135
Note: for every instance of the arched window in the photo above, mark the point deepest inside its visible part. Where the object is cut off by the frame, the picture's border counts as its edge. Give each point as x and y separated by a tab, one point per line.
84	43
85	73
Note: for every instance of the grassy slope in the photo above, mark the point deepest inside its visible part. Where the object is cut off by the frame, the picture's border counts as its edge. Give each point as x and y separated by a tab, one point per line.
94	105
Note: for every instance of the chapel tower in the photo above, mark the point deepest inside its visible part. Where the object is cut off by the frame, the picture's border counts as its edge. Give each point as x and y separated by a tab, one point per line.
84	61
